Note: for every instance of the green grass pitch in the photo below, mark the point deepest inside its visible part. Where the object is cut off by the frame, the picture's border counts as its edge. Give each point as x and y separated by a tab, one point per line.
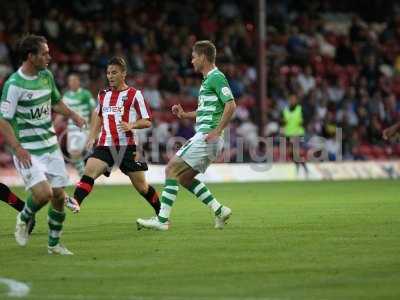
325	240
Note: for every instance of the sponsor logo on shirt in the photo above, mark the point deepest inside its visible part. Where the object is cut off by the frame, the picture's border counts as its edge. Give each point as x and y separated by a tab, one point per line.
113	109
40	112
226	91
44	81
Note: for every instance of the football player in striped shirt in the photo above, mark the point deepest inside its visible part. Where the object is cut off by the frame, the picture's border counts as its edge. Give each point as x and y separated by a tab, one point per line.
29	96
81	101
216	107
120	110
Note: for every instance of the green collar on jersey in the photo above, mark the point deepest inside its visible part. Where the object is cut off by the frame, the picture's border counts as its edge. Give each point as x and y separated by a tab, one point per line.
211	71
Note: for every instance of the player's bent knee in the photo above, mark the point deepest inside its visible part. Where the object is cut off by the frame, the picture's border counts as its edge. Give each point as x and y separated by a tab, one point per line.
58	195
44	195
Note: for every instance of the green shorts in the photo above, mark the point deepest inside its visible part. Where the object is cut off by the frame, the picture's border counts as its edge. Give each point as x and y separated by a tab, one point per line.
198	153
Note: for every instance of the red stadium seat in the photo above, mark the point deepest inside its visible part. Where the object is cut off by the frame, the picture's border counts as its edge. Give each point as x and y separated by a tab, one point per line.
378	152
366	151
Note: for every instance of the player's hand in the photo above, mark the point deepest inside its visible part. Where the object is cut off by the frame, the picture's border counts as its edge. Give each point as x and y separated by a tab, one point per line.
89	144
213	135
126	126
78	120
178	111
390	132
24	157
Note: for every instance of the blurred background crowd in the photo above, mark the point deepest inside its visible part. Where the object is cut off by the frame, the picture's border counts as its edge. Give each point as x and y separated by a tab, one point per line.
339	58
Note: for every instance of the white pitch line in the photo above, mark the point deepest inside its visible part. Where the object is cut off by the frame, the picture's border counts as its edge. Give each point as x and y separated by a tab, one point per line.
15	288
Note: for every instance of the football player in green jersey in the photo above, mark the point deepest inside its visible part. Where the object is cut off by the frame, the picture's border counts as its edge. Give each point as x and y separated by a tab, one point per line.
81	101
216	107
28	98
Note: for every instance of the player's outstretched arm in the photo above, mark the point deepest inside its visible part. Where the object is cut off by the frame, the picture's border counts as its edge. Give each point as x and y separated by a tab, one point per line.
64	110
391	131
23	155
178	111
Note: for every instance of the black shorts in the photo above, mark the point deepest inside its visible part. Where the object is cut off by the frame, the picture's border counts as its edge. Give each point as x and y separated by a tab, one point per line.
121	156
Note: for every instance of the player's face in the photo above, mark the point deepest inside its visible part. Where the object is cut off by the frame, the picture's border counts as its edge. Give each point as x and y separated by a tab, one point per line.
197	61
42	59
292	100
73	82
115	76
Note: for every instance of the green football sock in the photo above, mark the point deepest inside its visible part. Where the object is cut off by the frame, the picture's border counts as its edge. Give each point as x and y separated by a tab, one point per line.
30	209
202	193
55	220
168	197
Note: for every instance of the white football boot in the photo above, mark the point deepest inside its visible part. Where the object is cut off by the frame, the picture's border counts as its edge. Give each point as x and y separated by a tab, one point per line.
72	204
58	250
152	223
21	231
221	219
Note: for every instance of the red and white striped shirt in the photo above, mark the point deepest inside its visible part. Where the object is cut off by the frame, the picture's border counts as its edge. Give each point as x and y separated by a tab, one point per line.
116	106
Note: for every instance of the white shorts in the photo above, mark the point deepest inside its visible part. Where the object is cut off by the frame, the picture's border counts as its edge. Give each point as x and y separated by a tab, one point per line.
76	141
45	167
198	153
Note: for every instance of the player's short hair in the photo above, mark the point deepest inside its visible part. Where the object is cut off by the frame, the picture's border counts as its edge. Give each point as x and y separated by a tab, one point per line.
30	44
207	48
74	74
117	61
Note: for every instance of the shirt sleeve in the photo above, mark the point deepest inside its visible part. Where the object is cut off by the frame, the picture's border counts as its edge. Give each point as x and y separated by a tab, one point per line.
141	107
222	88
55	93
98	106
9	100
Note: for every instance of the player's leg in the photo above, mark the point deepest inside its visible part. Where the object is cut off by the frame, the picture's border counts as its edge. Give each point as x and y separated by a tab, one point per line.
58	178
194	157
41	193
147	191
35	180
56	218
135	169
76	142
14	201
94	168
198	157
78	162
201	191
172	171
295	145
99	163
10	198
174	167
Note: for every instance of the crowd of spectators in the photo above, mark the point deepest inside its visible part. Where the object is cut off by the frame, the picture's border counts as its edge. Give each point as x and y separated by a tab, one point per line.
344	69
